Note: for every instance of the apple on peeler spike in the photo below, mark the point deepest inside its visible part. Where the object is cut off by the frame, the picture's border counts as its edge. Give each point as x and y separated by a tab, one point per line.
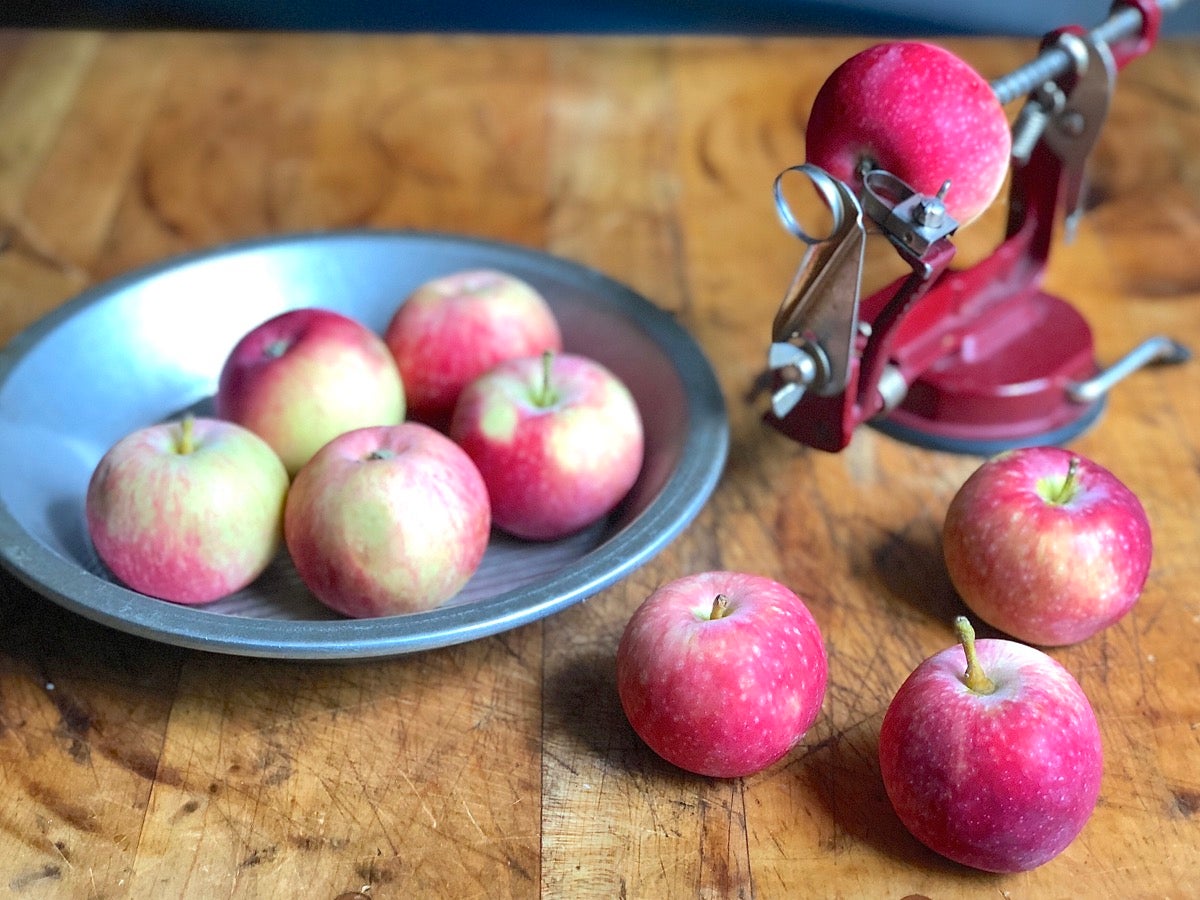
919	112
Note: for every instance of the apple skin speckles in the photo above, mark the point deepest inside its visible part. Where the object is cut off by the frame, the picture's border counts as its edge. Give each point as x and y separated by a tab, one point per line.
1043	561
722	696
1001	782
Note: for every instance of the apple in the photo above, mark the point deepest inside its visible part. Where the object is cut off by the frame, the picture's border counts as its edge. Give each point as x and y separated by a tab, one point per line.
387	520
918	111
452	329
305	376
557	438
721	673
1046	545
187	511
990	754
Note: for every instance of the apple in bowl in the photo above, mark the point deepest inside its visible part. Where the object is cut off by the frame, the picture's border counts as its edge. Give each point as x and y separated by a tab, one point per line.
303	377
453	328
558	439
187	511
387	520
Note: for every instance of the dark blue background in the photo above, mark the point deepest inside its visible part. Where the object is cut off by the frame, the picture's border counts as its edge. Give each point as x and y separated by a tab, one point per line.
872	17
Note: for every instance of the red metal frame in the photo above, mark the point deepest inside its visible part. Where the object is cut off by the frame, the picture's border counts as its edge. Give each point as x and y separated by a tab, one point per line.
987	354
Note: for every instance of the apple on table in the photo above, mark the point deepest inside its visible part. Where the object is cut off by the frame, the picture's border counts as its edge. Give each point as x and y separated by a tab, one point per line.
990	754
916	110
387	520
455	327
558	439
187	511
305	376
1046	545
722	673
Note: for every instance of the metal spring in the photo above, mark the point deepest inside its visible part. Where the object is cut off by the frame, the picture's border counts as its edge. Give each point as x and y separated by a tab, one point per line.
1055	61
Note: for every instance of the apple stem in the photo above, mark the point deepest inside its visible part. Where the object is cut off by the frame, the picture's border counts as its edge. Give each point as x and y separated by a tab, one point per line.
974	678
187	438
721	607
1067	489
276	348
546	395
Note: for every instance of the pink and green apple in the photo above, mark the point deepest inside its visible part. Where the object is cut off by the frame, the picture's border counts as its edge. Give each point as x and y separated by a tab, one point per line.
387	520
187	511
305	376
558	439
452	329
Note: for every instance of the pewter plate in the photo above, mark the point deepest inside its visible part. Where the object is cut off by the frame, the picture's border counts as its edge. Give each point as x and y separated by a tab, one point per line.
151	344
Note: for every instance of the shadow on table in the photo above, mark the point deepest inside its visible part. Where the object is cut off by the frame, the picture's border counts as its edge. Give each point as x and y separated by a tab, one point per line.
37	632
581	704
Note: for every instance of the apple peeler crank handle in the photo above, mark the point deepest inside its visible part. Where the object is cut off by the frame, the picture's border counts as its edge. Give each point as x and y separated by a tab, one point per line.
1155	350
1056	60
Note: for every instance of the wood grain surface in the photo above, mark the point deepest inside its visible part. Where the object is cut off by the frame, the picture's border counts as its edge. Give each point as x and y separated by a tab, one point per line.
505	767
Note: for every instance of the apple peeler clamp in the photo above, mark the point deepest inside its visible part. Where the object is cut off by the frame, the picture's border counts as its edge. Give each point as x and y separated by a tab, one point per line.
975	360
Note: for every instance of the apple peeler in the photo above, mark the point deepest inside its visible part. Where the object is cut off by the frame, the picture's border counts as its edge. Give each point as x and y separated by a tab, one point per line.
973	360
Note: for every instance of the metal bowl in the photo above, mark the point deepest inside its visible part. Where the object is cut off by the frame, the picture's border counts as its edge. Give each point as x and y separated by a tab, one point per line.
150	344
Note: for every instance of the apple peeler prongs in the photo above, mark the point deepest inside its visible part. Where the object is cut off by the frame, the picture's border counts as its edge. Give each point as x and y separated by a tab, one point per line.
912	221
814	329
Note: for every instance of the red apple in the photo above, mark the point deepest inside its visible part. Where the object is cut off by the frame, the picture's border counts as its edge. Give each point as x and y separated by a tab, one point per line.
990	754
1046	545
187	511
721	673
387	520
452	329
557	438
305	376
919	112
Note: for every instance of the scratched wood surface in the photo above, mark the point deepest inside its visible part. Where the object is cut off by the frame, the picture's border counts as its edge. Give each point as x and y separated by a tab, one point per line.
504	768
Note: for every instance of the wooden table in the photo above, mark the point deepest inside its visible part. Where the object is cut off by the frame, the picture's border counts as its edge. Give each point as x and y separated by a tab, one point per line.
505	767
